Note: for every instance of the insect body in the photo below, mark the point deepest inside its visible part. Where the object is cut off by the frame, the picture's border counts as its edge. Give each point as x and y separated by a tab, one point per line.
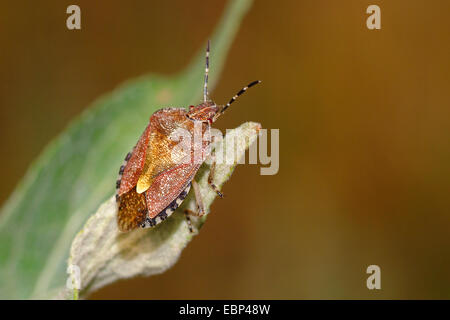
155	177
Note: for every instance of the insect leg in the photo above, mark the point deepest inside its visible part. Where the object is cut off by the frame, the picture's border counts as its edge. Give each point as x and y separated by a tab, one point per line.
188	220
198	199
200	207
212	169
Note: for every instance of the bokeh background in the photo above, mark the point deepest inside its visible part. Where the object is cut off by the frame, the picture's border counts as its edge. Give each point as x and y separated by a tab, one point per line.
364	119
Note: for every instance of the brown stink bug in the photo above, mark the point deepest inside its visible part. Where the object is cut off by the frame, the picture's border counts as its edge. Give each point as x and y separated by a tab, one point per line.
151	183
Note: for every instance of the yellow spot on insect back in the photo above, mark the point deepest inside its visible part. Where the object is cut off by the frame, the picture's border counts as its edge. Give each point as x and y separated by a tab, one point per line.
143	184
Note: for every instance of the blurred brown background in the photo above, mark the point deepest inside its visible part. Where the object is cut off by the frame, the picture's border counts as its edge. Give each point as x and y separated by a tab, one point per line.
364	136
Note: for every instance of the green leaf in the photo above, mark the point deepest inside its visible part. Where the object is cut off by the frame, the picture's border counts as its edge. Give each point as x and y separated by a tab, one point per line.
76	172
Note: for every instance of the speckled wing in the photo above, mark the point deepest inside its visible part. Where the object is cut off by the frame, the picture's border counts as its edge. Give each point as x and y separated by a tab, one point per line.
134	166
132	206
160	154
167	186
132	210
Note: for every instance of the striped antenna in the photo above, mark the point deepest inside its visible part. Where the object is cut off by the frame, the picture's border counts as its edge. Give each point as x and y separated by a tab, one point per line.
205	86
238	94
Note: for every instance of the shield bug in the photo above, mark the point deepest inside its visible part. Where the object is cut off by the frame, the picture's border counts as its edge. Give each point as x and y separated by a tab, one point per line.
152	182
